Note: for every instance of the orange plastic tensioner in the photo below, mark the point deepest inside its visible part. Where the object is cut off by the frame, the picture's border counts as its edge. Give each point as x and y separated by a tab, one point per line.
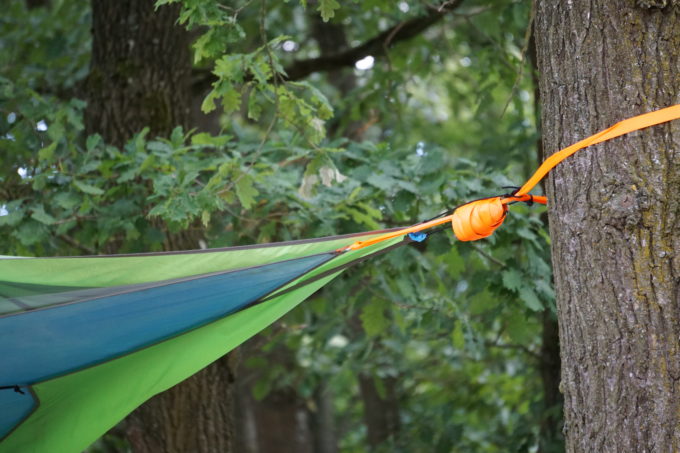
480	218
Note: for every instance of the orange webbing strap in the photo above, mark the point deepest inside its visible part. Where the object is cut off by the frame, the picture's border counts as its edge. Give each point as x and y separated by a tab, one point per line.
479	218
631	124
474	220
414	229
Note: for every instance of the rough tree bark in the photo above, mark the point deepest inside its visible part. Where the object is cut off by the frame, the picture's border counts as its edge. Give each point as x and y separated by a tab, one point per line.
614	215
140	70
140	76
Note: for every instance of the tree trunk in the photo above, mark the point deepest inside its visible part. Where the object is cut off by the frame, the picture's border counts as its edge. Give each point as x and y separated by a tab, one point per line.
381	409
139	76
194	416
322	421
551	439
279	422
140	70
614	215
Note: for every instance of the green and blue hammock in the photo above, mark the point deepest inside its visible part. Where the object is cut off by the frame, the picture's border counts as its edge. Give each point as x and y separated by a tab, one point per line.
86	340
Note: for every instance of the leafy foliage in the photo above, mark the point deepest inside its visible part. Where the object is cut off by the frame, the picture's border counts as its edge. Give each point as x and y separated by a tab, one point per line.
456	324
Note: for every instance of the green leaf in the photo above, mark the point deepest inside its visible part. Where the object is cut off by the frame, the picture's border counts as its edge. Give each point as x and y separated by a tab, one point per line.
544	287
458	336
208	104
177	137
382	181
147	163
261	70
512	279
205	217
161	148
530	299
41	216
327	9
245	191
516	326
203	138
47	153
67	200
88	188
431	162
361	217
15	213
455	263
482	302
139	140
231	100
373	318
30	232
254	107
92	142
261	389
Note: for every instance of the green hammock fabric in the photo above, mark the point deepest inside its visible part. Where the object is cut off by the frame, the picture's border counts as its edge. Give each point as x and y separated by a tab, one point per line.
89	339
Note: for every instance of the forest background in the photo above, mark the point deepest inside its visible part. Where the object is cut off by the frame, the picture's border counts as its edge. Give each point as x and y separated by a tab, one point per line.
126	127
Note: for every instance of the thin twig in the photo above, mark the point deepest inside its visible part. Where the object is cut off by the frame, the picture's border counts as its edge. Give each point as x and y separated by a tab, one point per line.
487	256
75	243
519	347
374	46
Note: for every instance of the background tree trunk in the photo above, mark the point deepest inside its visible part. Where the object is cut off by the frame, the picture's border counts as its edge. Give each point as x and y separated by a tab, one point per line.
381	412
140	76
614	215
551	440
279	422
140	70
194	416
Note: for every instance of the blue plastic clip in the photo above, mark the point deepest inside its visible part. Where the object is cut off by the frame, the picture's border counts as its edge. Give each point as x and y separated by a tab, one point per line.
418	236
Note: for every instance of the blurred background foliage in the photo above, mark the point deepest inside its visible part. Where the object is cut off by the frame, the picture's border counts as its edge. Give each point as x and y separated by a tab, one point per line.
448	335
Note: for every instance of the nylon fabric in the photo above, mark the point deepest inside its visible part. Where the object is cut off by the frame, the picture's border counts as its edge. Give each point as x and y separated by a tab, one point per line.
122	323
479	219
76	408
115	270
14	407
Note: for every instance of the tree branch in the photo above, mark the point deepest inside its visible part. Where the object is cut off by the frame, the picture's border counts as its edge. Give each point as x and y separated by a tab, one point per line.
520	347
74	243
376	47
